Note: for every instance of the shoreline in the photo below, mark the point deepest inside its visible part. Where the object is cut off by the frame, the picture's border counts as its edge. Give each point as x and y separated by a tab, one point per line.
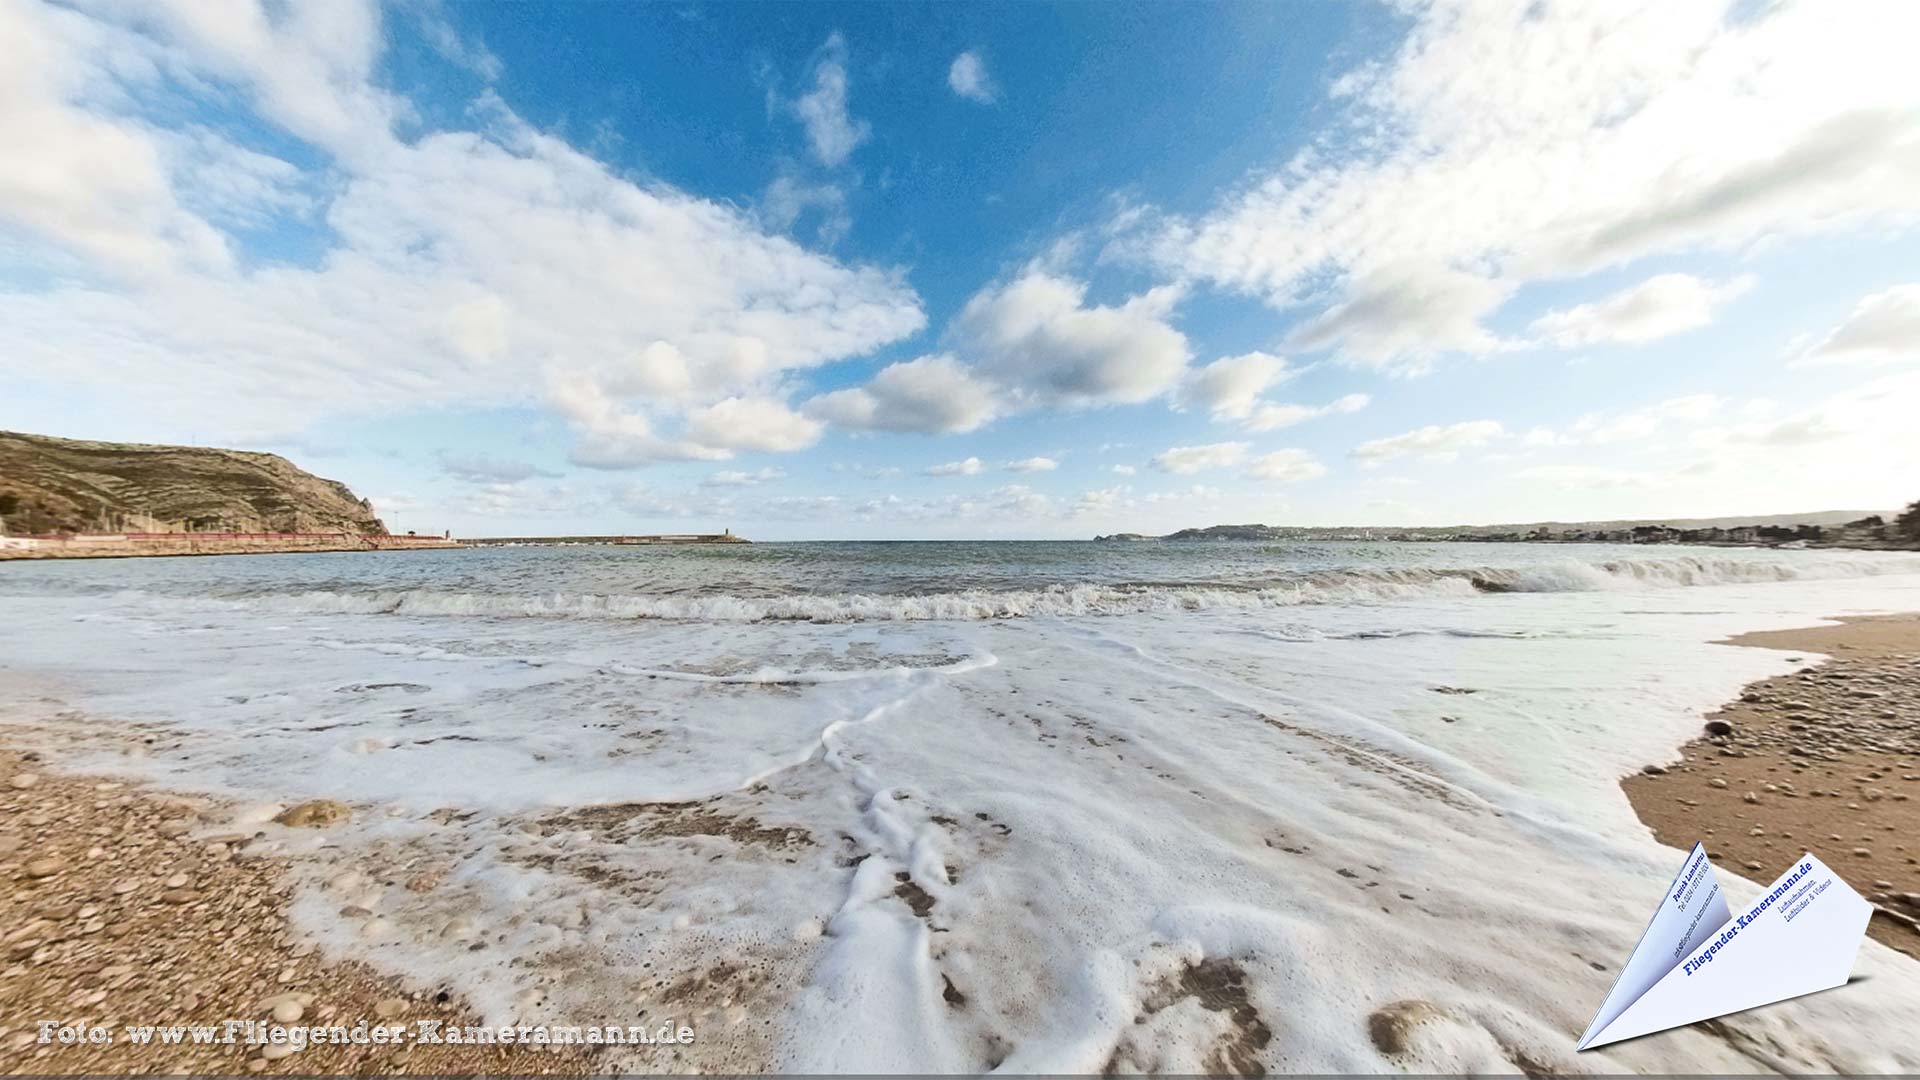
1824	759
124	905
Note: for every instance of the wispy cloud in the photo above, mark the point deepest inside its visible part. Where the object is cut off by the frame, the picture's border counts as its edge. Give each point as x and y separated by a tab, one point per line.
832	130
967	76
1435	441
965	467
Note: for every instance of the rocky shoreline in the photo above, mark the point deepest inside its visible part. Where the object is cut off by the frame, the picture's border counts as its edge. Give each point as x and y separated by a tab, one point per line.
1824	759
123	906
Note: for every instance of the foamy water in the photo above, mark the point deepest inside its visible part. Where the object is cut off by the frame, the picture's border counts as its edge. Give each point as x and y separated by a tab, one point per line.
1040	807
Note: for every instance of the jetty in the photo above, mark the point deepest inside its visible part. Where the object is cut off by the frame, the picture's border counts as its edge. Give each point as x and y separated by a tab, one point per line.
726	537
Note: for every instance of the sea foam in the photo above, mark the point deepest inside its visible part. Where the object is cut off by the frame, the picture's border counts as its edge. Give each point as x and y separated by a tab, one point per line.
1174	827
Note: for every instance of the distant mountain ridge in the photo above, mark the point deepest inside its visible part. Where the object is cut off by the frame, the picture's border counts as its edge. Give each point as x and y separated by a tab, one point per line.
1823	518
54	485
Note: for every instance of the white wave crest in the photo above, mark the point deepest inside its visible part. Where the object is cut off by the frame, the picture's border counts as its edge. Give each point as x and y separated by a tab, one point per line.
1088	599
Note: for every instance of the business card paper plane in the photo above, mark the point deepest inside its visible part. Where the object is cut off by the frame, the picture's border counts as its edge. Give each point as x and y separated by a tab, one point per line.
1698	960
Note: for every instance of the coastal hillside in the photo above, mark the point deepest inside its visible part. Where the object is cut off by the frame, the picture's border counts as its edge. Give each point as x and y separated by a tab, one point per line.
1853	528
50	485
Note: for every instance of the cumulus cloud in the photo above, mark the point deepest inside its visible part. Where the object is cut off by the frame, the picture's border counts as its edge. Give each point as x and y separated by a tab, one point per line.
964	467
458	268
931	394
1032	464
1400	317
760	423
832	130
1191	459
968	77
1038	337
1231	386
1032	342
1658	307
1271	416
1124	470
1506	143
1434	441
1286	466
1882	328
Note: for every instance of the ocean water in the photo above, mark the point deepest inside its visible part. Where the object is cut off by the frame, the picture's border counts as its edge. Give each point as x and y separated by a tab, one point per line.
958	806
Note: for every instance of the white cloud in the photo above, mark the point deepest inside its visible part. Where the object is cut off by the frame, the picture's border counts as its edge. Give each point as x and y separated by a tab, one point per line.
1037	336
1658	307
465	268
1506	143
968	77
964	467
831	129
1882	328
1434	441
1643	423
788	199
1231	386
738	478
1124	470
1032	464
1286	466
1033	342
760	423
929	394
1271	416
1400	317
1192	459
485	469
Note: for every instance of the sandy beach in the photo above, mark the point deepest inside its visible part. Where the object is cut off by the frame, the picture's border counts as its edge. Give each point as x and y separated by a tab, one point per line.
1825	759
124	906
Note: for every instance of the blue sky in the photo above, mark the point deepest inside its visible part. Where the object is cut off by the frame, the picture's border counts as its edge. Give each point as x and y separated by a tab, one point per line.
924	270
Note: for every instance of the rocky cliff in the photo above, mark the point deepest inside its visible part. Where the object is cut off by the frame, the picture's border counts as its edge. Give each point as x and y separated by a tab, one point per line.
50	485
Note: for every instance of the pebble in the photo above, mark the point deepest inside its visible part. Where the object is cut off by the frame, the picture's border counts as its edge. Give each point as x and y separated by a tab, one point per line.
23	781
313	814
45	866
388	1008
1863	853
177	881
1717	782
288	1011
276	1051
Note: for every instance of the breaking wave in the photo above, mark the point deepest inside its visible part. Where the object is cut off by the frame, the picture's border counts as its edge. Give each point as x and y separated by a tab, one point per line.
1093	599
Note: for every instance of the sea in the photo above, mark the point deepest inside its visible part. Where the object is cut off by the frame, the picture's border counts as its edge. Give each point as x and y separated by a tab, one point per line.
1035	807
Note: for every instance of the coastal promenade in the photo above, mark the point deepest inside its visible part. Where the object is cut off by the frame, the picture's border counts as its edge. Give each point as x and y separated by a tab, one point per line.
136	545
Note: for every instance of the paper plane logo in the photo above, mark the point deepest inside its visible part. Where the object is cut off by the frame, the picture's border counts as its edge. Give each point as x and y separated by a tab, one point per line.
1698	960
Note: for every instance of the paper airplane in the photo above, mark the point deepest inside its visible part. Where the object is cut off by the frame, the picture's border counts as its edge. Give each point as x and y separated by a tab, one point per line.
1697	960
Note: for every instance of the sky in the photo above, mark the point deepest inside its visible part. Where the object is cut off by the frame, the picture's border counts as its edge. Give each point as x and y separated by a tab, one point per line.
936	270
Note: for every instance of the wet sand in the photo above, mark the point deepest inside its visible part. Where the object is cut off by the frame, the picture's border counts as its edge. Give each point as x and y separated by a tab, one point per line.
124	906
1825	759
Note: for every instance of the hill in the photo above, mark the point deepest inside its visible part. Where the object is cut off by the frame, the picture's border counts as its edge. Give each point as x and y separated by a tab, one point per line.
1834	523
51	485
